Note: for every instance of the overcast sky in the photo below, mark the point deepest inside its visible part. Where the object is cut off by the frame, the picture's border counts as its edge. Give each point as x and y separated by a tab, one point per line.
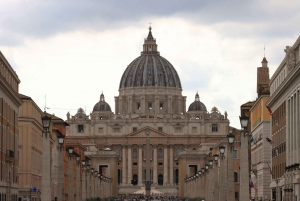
71	51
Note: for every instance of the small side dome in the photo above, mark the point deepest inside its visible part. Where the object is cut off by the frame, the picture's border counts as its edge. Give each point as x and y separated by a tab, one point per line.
197	105
102	105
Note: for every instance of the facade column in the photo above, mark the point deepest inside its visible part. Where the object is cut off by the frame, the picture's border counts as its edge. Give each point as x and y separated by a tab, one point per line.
129	175
120	104
124	179
171	164
154	164
165	164
140	166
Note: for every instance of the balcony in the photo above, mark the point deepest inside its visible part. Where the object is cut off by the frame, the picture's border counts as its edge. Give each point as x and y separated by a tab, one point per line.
9	156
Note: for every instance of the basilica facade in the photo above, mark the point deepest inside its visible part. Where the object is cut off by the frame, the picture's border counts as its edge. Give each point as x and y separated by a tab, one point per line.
150	104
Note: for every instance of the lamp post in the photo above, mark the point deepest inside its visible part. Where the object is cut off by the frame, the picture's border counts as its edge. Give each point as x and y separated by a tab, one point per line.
83	186
223	173
230	174
78	192
244	171
70	173
60	185
88	182
46	173
216	178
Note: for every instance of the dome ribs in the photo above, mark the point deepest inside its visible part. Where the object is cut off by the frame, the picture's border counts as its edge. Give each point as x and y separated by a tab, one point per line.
166	80
155	81
124	76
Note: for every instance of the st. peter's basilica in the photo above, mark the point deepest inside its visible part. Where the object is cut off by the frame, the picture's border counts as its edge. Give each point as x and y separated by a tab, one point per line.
149	105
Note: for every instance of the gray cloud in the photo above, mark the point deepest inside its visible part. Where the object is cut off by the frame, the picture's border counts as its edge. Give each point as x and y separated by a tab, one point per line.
40	19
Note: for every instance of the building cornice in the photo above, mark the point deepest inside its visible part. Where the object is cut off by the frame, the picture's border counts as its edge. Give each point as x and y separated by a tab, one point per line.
284	86
258	100
10	92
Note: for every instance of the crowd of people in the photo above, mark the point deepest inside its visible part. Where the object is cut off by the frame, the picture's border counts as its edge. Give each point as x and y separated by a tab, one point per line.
150	198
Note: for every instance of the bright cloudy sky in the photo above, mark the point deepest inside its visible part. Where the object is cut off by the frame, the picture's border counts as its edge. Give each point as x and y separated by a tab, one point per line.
71	51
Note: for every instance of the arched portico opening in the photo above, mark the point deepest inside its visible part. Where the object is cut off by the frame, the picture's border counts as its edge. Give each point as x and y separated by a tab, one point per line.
160	179
135	179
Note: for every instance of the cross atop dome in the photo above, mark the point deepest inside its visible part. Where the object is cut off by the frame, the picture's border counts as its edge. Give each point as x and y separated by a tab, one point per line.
150	46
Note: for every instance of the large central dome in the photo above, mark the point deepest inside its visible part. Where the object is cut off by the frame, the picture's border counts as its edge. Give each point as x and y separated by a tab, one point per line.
150	69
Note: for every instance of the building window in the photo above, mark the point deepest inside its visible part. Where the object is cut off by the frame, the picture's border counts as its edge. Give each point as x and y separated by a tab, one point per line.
134	153
194	130
116	130
235	153
134	129
178	150
100	130
160	129
80	128
161	106
135	163
236	195
150	106
160	153
138	106
160	163
177	129
236	177
214	128
117	151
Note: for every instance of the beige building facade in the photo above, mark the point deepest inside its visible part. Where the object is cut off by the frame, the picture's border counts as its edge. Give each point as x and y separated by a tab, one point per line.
30	149
150	101
261	130
9	110
285	103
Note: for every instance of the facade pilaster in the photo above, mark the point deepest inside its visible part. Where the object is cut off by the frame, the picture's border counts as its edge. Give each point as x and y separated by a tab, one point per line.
124	179
78	192
154	164
171	164
140	166
165	164
129	175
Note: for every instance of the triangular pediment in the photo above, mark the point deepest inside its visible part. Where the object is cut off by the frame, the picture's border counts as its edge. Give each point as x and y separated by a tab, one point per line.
142	133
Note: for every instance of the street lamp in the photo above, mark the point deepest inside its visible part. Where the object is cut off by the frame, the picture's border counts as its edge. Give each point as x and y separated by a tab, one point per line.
60	185
70	173
244	171
230	173
46	173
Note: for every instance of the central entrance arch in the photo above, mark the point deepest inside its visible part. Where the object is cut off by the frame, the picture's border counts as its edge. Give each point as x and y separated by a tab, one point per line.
135	179
160	179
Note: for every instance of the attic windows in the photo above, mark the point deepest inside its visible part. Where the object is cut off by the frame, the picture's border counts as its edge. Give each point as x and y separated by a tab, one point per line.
80	128
160	106
139	106
178	129
150	106
134	129
100	130
160	129
194	130
214	128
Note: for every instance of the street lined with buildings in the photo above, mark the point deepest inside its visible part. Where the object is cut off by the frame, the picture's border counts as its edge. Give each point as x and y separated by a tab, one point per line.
153	144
